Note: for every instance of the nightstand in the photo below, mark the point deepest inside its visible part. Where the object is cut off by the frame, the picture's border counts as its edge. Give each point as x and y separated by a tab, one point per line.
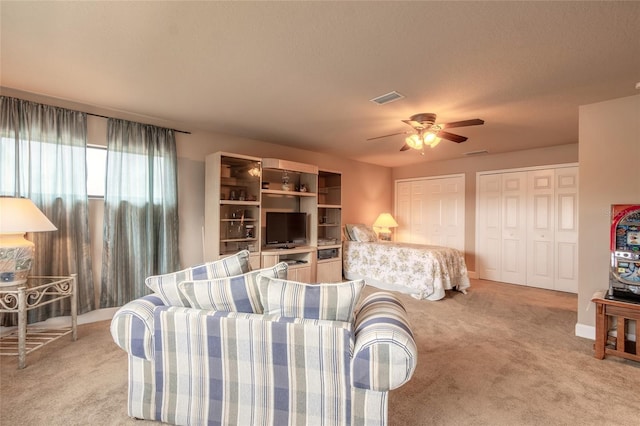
620	312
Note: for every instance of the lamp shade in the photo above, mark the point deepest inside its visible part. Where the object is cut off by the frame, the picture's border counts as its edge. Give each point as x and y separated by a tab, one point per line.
18	216
385	221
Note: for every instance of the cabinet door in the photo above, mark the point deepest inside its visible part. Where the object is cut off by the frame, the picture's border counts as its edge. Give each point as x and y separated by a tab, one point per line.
254	261
300	274
330	272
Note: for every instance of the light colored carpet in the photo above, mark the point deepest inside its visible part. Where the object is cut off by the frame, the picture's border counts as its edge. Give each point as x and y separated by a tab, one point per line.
499	355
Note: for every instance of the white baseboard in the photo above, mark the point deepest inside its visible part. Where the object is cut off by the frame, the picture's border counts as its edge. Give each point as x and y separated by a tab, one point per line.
586	331
473	274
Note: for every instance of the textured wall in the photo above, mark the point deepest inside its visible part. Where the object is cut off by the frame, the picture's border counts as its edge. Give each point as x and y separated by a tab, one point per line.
609	166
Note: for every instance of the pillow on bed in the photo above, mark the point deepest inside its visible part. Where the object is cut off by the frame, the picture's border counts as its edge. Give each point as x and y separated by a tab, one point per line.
334	302
347	232
363	233
230	294
166	286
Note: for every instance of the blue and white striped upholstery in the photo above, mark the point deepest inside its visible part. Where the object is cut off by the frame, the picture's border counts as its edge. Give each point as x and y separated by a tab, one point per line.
335	301
210	367
230	294
233	368
166	286
385	355
134	328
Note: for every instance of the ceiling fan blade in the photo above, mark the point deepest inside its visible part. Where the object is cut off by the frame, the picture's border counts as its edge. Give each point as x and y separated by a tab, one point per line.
463	123
450	136
414	124
405	147
386	136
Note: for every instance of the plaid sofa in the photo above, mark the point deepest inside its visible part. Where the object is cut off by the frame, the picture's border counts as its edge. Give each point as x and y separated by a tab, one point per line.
194	367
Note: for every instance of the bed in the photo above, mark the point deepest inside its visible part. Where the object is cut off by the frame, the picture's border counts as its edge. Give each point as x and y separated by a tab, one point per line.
423	271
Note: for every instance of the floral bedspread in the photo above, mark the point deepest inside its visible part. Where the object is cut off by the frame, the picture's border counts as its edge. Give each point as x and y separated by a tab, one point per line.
423	271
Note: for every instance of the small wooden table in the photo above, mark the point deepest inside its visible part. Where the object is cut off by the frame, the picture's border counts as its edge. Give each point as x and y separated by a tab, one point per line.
622	311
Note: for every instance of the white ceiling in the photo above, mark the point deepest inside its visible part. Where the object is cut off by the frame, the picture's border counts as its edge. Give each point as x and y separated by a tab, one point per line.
302	73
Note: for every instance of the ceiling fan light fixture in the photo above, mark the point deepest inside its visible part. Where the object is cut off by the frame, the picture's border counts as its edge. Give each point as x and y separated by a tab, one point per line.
414	141
435	142
429	138
427	133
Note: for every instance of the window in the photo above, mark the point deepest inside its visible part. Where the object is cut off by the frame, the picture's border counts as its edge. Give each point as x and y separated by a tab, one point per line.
96	170
137	172
18	177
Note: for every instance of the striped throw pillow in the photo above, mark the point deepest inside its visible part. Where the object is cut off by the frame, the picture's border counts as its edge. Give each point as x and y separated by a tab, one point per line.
231	294
334	302
166	286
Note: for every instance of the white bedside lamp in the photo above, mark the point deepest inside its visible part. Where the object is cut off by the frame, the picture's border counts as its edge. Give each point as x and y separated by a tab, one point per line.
383	223
18	216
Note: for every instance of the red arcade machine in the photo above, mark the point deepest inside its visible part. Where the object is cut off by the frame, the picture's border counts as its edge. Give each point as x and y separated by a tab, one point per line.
624	274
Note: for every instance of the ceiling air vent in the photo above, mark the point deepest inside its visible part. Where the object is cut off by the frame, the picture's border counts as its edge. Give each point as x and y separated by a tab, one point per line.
480	152
387	98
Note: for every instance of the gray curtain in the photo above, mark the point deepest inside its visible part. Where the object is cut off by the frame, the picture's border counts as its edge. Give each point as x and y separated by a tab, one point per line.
43	157
140	211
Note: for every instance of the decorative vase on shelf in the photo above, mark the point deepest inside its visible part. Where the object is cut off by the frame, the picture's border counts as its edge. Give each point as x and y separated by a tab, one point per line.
285	182
236	230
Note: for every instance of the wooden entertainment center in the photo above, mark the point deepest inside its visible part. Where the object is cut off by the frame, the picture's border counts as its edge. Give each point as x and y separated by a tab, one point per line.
240	190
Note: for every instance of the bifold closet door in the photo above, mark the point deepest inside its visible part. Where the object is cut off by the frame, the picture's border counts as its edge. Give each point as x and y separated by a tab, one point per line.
431	211
540	228
411	199
527	228
566	232
489	227
445	212
514	229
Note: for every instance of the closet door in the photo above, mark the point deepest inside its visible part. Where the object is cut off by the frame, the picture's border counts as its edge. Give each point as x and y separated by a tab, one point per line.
411	201
403	211
489	227
445	198
419	205
540	228
431	211
527	228
566	233
514	230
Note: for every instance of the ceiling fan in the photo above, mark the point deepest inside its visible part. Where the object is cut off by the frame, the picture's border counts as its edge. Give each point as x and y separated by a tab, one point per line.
427	133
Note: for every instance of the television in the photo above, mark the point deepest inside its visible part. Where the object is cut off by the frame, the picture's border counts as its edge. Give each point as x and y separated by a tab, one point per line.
285	229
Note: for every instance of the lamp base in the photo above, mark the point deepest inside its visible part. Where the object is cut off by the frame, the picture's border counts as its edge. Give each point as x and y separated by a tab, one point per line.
16	256
384	236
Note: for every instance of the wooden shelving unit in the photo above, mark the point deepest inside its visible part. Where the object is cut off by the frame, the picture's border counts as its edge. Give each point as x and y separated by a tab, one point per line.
329	241
232	206
241	189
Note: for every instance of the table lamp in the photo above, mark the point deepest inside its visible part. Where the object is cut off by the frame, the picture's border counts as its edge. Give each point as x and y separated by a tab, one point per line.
17	217
383	223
